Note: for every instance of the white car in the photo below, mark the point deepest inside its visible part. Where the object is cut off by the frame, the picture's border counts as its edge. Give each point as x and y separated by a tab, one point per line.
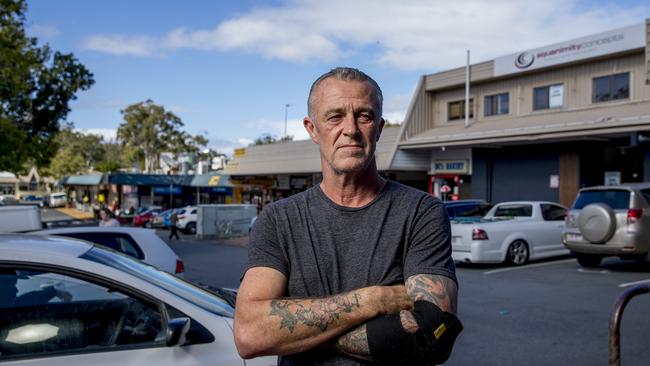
187	220
68	302
139	243
513	232
57	199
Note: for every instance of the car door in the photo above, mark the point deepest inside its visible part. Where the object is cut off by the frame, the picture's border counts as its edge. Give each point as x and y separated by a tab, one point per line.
553	223
58	318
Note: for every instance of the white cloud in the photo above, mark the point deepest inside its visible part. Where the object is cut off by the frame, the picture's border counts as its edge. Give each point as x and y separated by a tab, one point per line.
121	45
43	31
109	134
413	34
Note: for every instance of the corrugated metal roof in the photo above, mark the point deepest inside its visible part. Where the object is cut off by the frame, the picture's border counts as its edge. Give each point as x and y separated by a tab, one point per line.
622	118
84	180
300	157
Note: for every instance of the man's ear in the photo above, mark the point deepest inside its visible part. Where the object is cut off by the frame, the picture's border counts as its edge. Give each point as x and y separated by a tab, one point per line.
311	128
381	127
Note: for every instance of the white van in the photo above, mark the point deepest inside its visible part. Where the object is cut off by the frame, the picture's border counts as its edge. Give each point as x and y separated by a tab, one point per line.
15	219
57	199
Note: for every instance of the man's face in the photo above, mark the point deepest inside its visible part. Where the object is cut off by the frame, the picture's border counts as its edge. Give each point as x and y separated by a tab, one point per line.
347	124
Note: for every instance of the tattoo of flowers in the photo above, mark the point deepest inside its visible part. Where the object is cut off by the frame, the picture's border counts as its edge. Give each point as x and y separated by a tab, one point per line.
319	313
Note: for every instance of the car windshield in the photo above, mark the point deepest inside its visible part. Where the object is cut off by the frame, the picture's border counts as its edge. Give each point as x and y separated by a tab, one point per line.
615	198
185	290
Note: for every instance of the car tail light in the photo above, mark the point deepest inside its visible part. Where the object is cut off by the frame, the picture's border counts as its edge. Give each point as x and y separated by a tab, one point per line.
479	234
180	267
634	215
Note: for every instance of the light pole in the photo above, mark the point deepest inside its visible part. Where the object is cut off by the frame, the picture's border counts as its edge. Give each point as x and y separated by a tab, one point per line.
286	113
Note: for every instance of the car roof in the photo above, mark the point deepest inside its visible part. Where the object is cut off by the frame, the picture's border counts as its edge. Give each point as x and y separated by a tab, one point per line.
39	247
527	203
631	186
92	229
460	202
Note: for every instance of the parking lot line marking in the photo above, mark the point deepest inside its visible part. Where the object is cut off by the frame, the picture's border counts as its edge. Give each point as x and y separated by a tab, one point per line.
633	283
602	271
529	266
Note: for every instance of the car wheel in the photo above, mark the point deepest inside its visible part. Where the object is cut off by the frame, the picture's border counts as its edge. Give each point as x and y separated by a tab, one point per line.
597	222
191	228
517	253
589	260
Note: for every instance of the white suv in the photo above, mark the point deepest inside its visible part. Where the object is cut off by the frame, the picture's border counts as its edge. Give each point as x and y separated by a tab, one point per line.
187	220
609	221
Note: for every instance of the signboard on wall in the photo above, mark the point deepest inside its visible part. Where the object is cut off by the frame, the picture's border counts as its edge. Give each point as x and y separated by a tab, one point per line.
450	167
600	44
612	178
556	96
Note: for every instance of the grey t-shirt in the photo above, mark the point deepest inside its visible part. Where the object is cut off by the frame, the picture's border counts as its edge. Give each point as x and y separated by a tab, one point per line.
325	249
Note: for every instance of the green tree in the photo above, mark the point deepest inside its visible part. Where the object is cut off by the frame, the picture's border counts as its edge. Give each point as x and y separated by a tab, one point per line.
78	153
267	138
148	130
35	89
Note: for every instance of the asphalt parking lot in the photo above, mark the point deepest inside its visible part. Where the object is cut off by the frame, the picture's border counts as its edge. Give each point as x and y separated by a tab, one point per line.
550	312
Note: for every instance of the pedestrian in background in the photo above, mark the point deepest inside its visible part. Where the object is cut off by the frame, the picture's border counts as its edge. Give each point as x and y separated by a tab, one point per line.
174	230
106	218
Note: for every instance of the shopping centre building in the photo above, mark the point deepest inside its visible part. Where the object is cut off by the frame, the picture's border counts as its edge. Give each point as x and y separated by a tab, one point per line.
542	122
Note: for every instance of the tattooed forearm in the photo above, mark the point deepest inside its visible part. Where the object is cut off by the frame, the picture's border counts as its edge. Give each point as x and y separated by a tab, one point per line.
355	343
439	290
318	313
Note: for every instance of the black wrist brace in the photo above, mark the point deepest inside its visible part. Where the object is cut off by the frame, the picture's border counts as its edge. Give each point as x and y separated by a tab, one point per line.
388	342
437	331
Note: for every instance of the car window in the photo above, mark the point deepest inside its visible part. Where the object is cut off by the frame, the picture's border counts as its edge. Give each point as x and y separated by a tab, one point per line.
193	211
617	199
553	212
45	313
518	210
472	210
646	195
117	241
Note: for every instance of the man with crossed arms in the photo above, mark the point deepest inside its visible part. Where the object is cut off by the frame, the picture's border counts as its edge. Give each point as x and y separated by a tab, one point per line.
357	269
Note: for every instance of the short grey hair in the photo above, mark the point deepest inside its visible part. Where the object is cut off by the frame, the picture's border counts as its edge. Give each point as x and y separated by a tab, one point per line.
345	74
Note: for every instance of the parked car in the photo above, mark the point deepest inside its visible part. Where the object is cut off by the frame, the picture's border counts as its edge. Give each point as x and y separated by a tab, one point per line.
139	243
609	221
113	310
512	232
58	199
187	220
144	218
33	199
159	220
467	210
8	200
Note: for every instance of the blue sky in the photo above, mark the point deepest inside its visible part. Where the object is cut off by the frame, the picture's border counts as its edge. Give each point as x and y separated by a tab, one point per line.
228	68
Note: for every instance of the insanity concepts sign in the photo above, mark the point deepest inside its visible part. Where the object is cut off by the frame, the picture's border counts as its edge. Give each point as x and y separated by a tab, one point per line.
600	44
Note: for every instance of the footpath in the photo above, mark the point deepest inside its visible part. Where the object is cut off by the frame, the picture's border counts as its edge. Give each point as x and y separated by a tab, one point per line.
76	214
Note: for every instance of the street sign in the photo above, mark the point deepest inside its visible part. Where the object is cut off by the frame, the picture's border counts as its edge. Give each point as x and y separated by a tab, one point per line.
445	189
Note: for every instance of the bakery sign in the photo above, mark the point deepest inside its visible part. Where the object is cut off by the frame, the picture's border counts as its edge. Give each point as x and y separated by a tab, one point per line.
618	40
450	167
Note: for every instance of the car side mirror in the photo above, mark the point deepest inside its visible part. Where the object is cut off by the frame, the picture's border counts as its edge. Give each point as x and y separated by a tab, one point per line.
177	329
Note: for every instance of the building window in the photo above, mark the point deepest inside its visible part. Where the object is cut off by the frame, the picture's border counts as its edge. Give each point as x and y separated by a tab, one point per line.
548	97
497	104
611	87
456	110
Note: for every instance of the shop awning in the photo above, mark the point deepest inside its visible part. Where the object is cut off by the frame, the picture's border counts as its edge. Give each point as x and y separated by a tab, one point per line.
211	180
84	180
149	179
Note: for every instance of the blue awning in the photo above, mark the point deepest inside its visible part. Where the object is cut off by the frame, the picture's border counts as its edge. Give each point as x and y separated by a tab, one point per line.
149	179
